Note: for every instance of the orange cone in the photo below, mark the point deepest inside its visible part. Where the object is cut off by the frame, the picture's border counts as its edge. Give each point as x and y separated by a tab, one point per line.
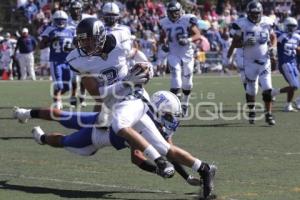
5	75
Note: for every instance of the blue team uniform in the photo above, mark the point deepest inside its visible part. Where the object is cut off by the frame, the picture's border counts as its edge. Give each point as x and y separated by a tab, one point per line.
287	57
60	40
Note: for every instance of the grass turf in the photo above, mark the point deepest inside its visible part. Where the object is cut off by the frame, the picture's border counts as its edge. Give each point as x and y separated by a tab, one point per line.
254	161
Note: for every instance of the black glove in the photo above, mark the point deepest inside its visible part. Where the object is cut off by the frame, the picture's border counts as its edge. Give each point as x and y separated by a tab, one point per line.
165	48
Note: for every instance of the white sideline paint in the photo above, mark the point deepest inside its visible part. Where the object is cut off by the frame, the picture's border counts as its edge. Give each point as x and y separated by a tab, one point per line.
292	153
135	189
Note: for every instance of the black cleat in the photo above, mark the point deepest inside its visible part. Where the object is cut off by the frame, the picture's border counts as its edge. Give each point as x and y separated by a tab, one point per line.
251	117
164	168
207	174
269	119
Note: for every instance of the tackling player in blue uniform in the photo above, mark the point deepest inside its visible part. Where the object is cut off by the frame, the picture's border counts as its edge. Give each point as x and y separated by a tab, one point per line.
60	39
89	139
287	46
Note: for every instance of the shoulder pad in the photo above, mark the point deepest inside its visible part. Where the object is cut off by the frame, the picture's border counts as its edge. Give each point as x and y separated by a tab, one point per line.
110	43
235	26
193	20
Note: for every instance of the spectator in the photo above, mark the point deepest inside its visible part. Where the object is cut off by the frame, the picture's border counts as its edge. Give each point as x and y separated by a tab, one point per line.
30	10
26	45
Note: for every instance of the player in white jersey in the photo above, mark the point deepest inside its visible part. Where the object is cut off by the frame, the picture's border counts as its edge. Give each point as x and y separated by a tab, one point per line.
110	13
75	10
254	33
100	59
88	139
178	31
103	55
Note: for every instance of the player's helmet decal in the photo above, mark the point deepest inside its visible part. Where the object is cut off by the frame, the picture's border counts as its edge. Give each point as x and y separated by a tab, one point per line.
254	11
90	36
174	11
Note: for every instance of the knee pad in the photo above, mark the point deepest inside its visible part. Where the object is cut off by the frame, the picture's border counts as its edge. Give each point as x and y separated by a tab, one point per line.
267	97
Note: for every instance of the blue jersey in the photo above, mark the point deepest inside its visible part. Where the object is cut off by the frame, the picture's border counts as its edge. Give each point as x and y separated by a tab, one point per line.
286	47
60	40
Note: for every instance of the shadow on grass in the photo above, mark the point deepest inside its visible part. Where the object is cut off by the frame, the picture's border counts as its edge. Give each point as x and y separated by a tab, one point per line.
222	125
15	138
65	193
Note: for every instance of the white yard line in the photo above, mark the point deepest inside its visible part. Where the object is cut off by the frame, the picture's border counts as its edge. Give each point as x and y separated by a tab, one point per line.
135	189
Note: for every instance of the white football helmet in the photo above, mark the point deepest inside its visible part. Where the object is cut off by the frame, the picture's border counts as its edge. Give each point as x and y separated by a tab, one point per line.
60	18
111	13
290	25
168	108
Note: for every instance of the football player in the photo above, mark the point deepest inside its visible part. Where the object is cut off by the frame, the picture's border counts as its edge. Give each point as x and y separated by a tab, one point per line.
166	110
287	47
104	55
178	31
255	35
75	10
59	38
100	59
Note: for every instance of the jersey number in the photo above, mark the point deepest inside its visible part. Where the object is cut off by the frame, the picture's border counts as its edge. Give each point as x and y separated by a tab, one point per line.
58	47
179	33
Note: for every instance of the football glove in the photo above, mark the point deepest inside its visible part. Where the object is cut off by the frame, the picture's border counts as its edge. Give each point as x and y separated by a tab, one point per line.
183	41
251	41
137	77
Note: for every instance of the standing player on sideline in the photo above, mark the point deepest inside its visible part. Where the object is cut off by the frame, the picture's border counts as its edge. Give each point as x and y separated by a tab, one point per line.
254	33
88	139
59	38
178	31
287	47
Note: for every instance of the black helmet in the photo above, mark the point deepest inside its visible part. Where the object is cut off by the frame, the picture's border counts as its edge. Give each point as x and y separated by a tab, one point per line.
75	9
174	10
254	11
90	36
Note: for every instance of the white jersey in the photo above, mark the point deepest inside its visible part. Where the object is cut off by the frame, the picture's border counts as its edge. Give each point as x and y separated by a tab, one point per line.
260	31
124	32
176	30
110	67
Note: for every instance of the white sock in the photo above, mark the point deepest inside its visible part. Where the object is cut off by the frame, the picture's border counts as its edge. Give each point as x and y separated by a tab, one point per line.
151	153
196	165
27	113
185	100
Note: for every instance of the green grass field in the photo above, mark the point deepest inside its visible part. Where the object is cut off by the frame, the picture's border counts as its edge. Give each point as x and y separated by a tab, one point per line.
255	162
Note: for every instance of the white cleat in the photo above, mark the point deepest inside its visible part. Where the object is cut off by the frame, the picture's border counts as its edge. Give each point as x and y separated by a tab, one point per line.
298	103
22	114
37	133
289	108
83	104
58	105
